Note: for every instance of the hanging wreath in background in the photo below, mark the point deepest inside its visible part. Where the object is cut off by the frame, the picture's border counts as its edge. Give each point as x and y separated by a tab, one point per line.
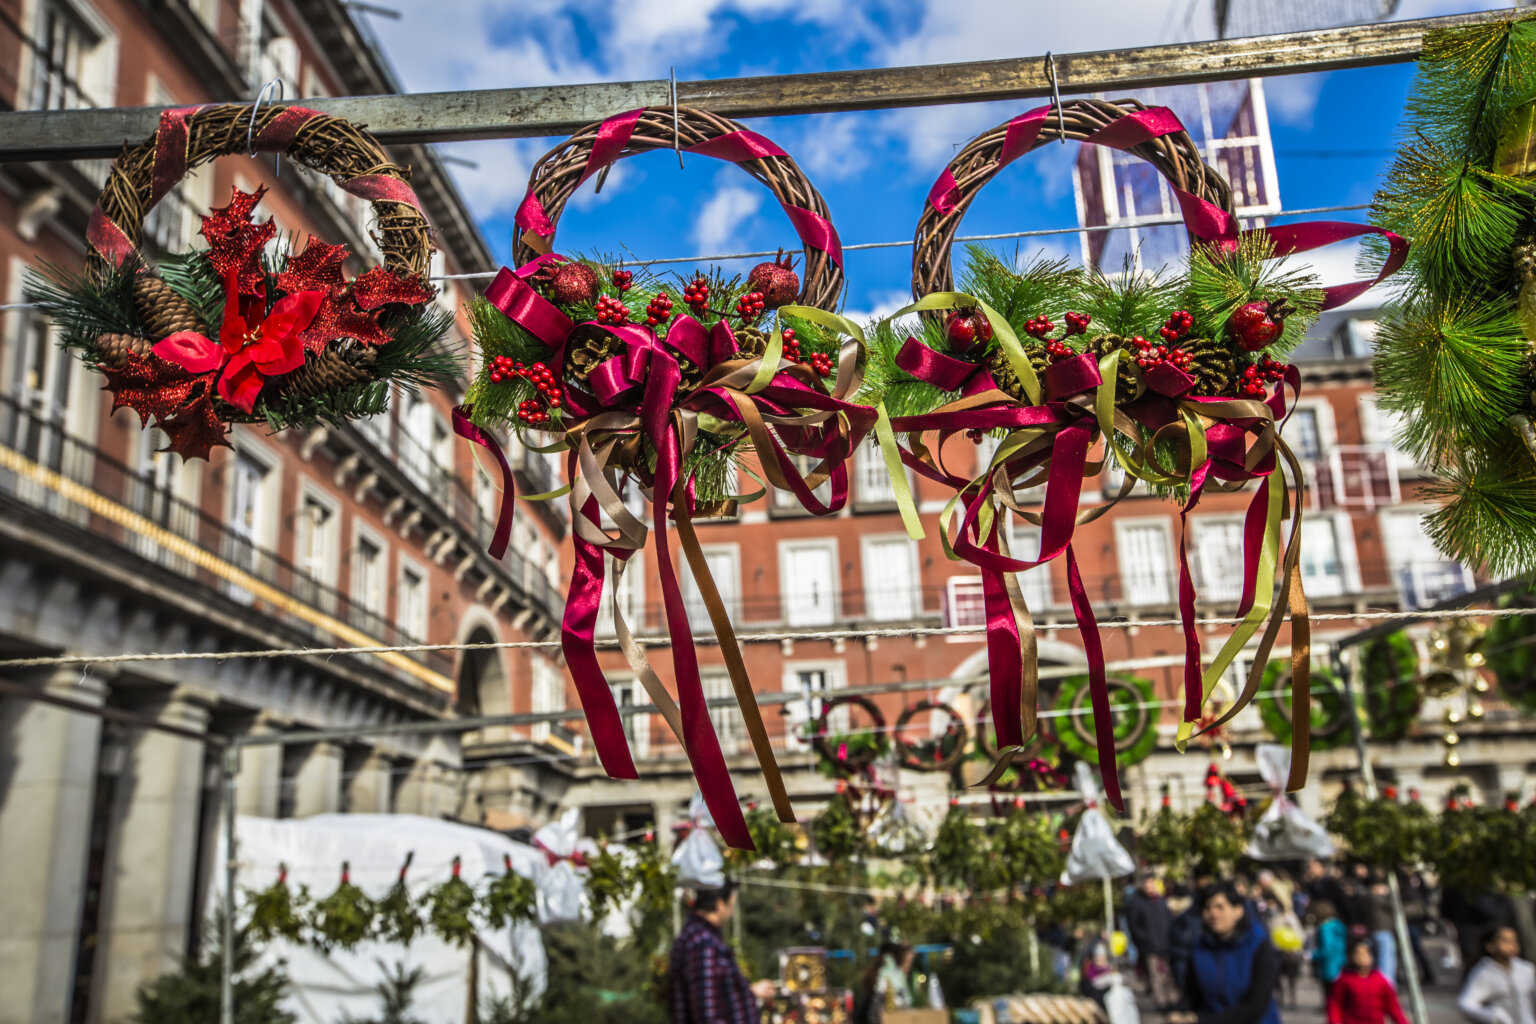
1134	723
667	385
847	754
1330	717
236	333
1390	668
1034	767
1510	647
1195	411
930	753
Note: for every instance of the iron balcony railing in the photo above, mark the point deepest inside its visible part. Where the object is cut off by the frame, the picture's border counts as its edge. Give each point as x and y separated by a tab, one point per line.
151	494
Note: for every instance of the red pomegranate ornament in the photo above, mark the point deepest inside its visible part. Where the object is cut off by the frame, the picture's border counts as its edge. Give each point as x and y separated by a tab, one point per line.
573	284
777	281
968	327
1257	324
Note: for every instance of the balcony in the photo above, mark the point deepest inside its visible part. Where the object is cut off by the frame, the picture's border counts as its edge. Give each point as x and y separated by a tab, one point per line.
75	485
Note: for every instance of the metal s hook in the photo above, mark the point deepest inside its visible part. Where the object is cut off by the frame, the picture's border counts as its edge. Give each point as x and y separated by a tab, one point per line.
250	129
1061	119
677	144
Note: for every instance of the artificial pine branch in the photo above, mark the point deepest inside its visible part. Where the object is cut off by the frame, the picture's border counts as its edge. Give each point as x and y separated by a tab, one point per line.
191	276
1219	283
1042	287
449	906
277	911
1126	304
345	917
85	304
510	898
399	918
1488	518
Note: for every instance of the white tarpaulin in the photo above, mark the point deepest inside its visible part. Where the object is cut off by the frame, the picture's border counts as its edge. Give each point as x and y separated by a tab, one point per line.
1096	853
1284	832
327	986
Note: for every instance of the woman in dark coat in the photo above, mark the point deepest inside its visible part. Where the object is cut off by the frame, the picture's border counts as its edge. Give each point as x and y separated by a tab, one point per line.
1234	968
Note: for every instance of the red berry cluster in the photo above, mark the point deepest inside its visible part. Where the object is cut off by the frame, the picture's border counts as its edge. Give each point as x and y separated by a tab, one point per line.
1177	326
975	434
1149	355
1038	326
751	305
821	363
696	294
1255	376
660	309
623	280
1077	323
530	410
1059	351
818	361
611	311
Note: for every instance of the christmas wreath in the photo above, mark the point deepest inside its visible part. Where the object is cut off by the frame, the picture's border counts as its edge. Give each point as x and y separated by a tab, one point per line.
1454	352
236	333
1133	725
665	387
1179	378
849	754
1392	696
1035	766
1329	714
932	753
1510	647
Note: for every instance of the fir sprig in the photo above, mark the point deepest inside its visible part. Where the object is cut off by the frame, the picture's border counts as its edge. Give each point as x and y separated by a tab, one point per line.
450	906
1129	303
399	918
510	898
1219	283
85	304
278	911
345	917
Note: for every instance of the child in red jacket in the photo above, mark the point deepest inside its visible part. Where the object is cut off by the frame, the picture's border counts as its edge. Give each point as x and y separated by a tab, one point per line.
1362	995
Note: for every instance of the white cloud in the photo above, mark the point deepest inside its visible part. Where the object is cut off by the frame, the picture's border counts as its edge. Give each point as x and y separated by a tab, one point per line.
1292	99
879	306
499	181
722	215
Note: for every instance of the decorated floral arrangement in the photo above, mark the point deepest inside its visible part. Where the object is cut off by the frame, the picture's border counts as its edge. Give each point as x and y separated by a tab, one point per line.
1178	379
666	388
245	330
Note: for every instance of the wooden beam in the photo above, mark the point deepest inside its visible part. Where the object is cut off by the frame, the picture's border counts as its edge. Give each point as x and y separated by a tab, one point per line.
560	110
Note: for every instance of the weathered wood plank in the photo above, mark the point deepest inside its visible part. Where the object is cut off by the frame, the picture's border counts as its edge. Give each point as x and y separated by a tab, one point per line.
559	110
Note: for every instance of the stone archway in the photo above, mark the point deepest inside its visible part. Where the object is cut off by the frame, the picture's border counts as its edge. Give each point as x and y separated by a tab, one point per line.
484	687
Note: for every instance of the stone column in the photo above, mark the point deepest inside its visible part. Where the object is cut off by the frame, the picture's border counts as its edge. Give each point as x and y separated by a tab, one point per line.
427	790
260	781
146	902
49	778
317	783
371	789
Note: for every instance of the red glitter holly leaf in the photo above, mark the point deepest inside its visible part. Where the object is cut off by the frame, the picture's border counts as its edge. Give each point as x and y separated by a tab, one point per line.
196	431
317	268
340	318
235	243
377	287
151	387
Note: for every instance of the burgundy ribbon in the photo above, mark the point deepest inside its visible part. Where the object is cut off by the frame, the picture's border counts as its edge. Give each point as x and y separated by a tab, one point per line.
467	430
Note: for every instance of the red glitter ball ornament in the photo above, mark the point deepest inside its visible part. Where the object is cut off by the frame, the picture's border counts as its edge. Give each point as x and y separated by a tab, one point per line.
968	327
574	284
1255	325
777	281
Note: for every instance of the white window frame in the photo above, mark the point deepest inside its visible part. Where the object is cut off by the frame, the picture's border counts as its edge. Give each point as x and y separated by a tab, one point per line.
728	723
97	78
546	693
1414	562
873	488
409	566
373	604
970	590
1035	584
1344	545
1327	433
633	604
698	616
914	585
325	567
1125	526
1227	587
637	728
264	541
798	712
787	503
788	596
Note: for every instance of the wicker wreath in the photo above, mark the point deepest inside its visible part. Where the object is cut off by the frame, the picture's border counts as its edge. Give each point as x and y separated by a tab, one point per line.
1330	714
1392	694
562	170
849	760
1174	155
1135	731
1042	744
220	336
938	759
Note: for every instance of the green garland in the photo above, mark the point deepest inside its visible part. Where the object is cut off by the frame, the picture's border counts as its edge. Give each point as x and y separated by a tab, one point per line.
1330	716
837	833
1026	850
345	917
1392	698
510	898
1453	356
1164	840
277	912
607	882
774	840
1135	727
1216	840
450	909
398	918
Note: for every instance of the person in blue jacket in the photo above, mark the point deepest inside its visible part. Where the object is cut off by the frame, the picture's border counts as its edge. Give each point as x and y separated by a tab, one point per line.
1234	967
1328	952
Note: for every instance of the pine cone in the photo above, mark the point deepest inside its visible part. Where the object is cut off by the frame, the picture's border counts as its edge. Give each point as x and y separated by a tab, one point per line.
161	310
750	342
330	370
1127	379
693	374
1213	366
116	348
1524	258
1007	381
589	349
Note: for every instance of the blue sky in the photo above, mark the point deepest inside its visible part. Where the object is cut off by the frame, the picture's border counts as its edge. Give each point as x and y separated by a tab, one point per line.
874	168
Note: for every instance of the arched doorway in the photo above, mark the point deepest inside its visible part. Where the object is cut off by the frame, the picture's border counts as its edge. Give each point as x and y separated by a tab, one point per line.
483	687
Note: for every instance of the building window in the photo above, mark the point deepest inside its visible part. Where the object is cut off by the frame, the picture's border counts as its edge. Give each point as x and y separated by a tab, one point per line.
872	480
892	591
411	602
813	683
1422	574
368	575
64	45
314	544
724	569
1218	558
1302	433
965	602
247	509
628	694
785	500
1322	569
726	718
1034	584
808	582
548	694
629	594
1145	562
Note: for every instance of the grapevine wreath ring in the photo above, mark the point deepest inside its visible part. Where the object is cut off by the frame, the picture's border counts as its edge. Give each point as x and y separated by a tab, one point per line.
1134	727
232	334
1329	724
1393	697
1174	155
849	762
563	169
910	752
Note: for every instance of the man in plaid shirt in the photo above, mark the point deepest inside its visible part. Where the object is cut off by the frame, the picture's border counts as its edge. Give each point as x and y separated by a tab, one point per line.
707	985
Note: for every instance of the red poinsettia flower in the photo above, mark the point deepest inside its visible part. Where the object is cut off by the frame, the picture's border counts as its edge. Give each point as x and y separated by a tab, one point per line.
251	347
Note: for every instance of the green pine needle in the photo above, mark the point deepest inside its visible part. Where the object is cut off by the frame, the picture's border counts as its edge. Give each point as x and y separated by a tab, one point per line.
191	276
1220	283
86	304
1488	519
1126	304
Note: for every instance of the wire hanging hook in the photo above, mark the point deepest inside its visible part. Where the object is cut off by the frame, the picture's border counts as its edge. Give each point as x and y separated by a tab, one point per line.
677	144
1061	118
250	129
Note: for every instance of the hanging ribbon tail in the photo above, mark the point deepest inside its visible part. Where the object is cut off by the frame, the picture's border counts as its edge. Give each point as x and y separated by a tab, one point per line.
1005	661
1301	684
1194	694
577	631
1098	684
465	428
